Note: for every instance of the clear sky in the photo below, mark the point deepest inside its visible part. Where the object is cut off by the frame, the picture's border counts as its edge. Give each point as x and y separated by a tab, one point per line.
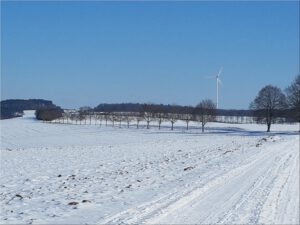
85	53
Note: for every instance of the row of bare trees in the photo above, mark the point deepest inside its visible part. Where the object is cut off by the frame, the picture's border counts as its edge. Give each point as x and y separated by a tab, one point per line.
204	112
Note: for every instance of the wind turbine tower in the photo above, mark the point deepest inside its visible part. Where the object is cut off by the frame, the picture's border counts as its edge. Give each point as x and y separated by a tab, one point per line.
218	81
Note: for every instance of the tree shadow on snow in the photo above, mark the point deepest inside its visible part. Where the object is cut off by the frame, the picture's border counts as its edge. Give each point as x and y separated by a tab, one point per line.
232	131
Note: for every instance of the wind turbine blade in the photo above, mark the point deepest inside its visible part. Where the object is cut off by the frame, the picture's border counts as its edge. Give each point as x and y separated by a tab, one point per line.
220	71
209	77
220	82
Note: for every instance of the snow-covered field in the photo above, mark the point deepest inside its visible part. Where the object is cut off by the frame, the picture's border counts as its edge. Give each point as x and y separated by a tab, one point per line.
232	174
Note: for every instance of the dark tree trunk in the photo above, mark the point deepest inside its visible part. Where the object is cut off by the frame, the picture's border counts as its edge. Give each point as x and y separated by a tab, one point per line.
202	122
269	126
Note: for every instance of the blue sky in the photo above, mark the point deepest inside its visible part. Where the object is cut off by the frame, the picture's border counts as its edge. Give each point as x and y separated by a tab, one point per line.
85	53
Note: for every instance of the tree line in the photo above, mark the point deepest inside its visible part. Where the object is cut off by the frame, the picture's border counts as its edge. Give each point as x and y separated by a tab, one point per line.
204	112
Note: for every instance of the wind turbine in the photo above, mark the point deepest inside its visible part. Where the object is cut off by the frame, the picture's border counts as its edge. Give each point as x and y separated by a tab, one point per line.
218	81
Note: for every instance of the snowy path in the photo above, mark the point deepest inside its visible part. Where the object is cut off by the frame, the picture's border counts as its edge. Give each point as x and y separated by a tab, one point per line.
262	191
233	174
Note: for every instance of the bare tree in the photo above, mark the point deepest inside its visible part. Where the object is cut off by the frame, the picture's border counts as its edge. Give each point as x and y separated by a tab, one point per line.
99	116
90	115
269	100
159	114
113	117
172	114
67	115
148	113
96	117
293	98
81	116
63	117
160	118
118	118
85	112
186	115
138	118
205	112
172	117
74	117
106	116
128	118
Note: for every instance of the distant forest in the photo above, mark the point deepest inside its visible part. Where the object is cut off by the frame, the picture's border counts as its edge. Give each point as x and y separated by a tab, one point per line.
137	107
14	108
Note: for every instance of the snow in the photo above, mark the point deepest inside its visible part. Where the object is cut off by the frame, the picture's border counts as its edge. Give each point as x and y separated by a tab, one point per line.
232	174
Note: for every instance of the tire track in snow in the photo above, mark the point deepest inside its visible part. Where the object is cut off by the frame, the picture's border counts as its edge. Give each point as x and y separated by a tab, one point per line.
211	203
259	191
155	211
279	204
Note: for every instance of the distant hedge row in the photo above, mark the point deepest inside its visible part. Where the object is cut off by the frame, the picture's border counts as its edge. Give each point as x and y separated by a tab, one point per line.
48	114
